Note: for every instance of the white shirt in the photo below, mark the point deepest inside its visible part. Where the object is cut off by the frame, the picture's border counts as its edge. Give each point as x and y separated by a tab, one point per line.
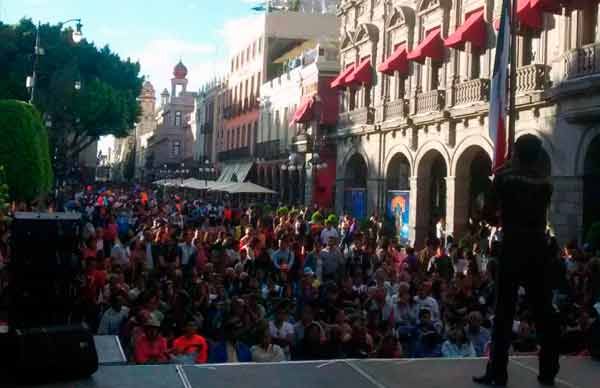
286	329
120	254
327	233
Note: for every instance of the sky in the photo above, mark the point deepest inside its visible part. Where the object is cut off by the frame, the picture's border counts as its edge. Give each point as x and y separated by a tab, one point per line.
157	33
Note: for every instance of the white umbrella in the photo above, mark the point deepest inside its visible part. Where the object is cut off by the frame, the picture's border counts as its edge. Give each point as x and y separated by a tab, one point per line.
244	188
197	184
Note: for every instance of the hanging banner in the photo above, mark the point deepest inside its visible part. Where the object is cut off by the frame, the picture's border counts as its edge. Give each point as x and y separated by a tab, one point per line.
398	210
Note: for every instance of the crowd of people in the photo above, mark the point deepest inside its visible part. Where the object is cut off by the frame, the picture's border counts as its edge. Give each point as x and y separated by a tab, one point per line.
195	281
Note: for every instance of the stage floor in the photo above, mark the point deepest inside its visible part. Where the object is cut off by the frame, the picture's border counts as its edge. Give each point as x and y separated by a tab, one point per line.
413	373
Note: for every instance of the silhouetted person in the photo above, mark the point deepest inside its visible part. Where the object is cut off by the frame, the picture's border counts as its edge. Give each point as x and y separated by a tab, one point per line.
519	201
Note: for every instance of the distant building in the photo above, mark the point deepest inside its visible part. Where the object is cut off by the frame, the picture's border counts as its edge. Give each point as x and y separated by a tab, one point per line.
171	142
255	63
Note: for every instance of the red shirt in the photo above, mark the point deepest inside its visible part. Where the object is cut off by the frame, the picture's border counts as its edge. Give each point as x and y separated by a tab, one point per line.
190	345
147	351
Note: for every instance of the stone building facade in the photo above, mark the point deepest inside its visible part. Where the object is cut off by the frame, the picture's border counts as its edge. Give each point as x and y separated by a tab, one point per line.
172	141
415	113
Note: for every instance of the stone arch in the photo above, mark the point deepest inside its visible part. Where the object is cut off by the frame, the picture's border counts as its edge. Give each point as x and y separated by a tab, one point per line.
424	5
582	150
399	149
590	174
475	140
398	172
429	195
425	148
366	31
355	180
344	162
546	145
469	185
401	15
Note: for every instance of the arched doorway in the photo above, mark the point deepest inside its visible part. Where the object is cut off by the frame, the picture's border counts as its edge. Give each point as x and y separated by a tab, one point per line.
591	185
355	187
472	183
397	184
431	194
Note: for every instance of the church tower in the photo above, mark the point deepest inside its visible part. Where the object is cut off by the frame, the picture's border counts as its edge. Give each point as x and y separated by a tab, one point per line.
179	81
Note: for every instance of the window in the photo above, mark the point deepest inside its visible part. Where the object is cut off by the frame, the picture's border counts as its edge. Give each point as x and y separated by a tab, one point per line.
175	149
249	133
237	137
178	119
527	53
435	67
243	136
475	65
400	85
589	23
259	45
253	50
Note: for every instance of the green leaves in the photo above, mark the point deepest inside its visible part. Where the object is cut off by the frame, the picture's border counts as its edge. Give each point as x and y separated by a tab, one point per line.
105	104
24	151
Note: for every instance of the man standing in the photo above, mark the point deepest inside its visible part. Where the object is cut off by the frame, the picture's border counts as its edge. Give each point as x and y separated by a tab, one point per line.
519	201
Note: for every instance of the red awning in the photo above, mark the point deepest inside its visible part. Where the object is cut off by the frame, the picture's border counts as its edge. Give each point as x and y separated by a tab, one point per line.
363	74
552	6
304	113
340	81
472	30
398	61
529	16
432	46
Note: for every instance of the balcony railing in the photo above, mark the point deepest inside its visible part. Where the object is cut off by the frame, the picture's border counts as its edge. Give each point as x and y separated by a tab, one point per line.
472	91
238	153
532	77
396	109
360	116
582	62
268	150
432	101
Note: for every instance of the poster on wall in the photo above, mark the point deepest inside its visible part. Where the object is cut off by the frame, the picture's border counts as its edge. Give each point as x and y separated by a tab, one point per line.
398	210
355	202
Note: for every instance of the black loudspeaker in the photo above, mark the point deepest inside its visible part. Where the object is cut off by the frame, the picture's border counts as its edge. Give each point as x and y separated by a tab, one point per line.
43	269
53	353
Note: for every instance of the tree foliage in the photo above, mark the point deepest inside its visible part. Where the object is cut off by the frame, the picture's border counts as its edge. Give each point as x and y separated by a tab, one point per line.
106	102
24	151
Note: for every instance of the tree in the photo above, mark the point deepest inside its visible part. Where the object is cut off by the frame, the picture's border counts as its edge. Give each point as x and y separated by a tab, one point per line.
24	151
105	103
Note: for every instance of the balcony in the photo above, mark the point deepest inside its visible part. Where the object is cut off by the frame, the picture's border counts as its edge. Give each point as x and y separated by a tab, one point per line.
428	102
268	150
396	109
235	154
472	92
360	116
532	78
582	62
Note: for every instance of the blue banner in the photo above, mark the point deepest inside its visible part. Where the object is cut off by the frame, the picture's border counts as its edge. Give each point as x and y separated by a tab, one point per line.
355	203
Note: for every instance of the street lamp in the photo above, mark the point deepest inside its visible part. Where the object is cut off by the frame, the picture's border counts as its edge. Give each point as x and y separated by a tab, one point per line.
38	51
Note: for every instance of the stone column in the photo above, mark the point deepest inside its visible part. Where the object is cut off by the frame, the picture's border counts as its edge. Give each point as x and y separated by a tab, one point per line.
457	205
419	212
566	208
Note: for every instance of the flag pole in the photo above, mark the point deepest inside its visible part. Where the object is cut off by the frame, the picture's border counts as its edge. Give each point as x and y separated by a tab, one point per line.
512	112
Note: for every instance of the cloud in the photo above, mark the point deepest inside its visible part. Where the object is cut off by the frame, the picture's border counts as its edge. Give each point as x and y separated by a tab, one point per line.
158	57
237	33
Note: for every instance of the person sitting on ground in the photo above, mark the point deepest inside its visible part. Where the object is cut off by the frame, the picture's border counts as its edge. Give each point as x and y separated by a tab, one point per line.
457	344
265	351
113	319
192	345
151	346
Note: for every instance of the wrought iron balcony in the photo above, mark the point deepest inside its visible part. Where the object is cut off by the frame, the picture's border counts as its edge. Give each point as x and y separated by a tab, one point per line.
582	62
396	109
268	150
360	116
432	101
235	154
534	77
472	91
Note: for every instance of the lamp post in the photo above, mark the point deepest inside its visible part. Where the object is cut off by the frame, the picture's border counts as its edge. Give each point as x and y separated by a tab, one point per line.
206	170
38	51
